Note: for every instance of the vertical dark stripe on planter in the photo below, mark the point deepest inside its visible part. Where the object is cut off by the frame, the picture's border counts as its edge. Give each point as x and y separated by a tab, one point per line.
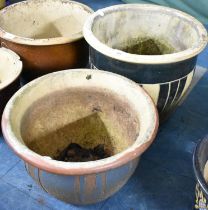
172	94
77	189
26	168
103	177
90	187
39	180
163	95
181	88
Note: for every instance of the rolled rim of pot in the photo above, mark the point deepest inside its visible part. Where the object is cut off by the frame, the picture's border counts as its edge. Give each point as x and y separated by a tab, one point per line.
195	49
10	67
198	171
140	101
16	16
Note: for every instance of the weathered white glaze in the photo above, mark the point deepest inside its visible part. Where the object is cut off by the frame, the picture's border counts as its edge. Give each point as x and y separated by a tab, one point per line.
10	67
43	22
110	28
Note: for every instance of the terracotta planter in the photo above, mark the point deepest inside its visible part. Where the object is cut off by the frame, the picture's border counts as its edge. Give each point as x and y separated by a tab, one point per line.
200	158
47	34
85	107
166	77
10	70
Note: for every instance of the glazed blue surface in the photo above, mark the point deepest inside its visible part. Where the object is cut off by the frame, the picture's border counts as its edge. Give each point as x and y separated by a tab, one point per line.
142	73
200	159
164	179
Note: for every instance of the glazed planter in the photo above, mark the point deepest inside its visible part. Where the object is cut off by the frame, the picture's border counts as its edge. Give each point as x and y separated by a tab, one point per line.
47	34
165	77
200	158
10	70
78	106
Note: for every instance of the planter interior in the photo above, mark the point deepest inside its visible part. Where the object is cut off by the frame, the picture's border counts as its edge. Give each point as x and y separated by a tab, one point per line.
42	19
77	115
119	28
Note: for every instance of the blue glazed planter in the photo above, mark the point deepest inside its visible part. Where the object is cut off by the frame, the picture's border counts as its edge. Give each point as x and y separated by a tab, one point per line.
200	158
165	77
85	107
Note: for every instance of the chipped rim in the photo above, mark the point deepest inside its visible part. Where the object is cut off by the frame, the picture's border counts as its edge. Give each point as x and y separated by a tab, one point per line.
47	41
18	67
144	59
80	168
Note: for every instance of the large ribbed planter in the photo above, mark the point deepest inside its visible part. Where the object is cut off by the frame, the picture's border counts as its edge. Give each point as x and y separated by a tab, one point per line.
166	77
85	107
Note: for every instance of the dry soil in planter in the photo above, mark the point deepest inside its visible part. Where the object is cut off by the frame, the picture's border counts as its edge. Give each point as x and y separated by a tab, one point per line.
147	46
89	119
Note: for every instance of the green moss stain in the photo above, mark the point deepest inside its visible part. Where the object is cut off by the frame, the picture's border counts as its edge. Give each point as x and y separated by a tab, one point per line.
147	46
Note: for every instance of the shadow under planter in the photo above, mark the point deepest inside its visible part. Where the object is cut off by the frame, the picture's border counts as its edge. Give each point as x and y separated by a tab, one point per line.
88	132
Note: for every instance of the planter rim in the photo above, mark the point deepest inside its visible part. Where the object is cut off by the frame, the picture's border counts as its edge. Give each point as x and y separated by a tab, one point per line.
144	59
81	168
18	67
46	41
198	174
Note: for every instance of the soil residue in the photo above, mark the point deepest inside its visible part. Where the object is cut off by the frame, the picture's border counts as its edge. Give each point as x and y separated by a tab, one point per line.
147	46
75	153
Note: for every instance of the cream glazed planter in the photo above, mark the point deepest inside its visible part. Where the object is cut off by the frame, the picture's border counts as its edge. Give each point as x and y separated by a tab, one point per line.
80	106
10	70
165	77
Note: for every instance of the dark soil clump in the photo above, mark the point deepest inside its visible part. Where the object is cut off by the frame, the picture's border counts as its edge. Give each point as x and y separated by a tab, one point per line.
75	153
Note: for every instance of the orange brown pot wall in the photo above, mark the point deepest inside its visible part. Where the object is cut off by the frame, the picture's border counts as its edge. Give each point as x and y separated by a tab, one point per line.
40	60
47	35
